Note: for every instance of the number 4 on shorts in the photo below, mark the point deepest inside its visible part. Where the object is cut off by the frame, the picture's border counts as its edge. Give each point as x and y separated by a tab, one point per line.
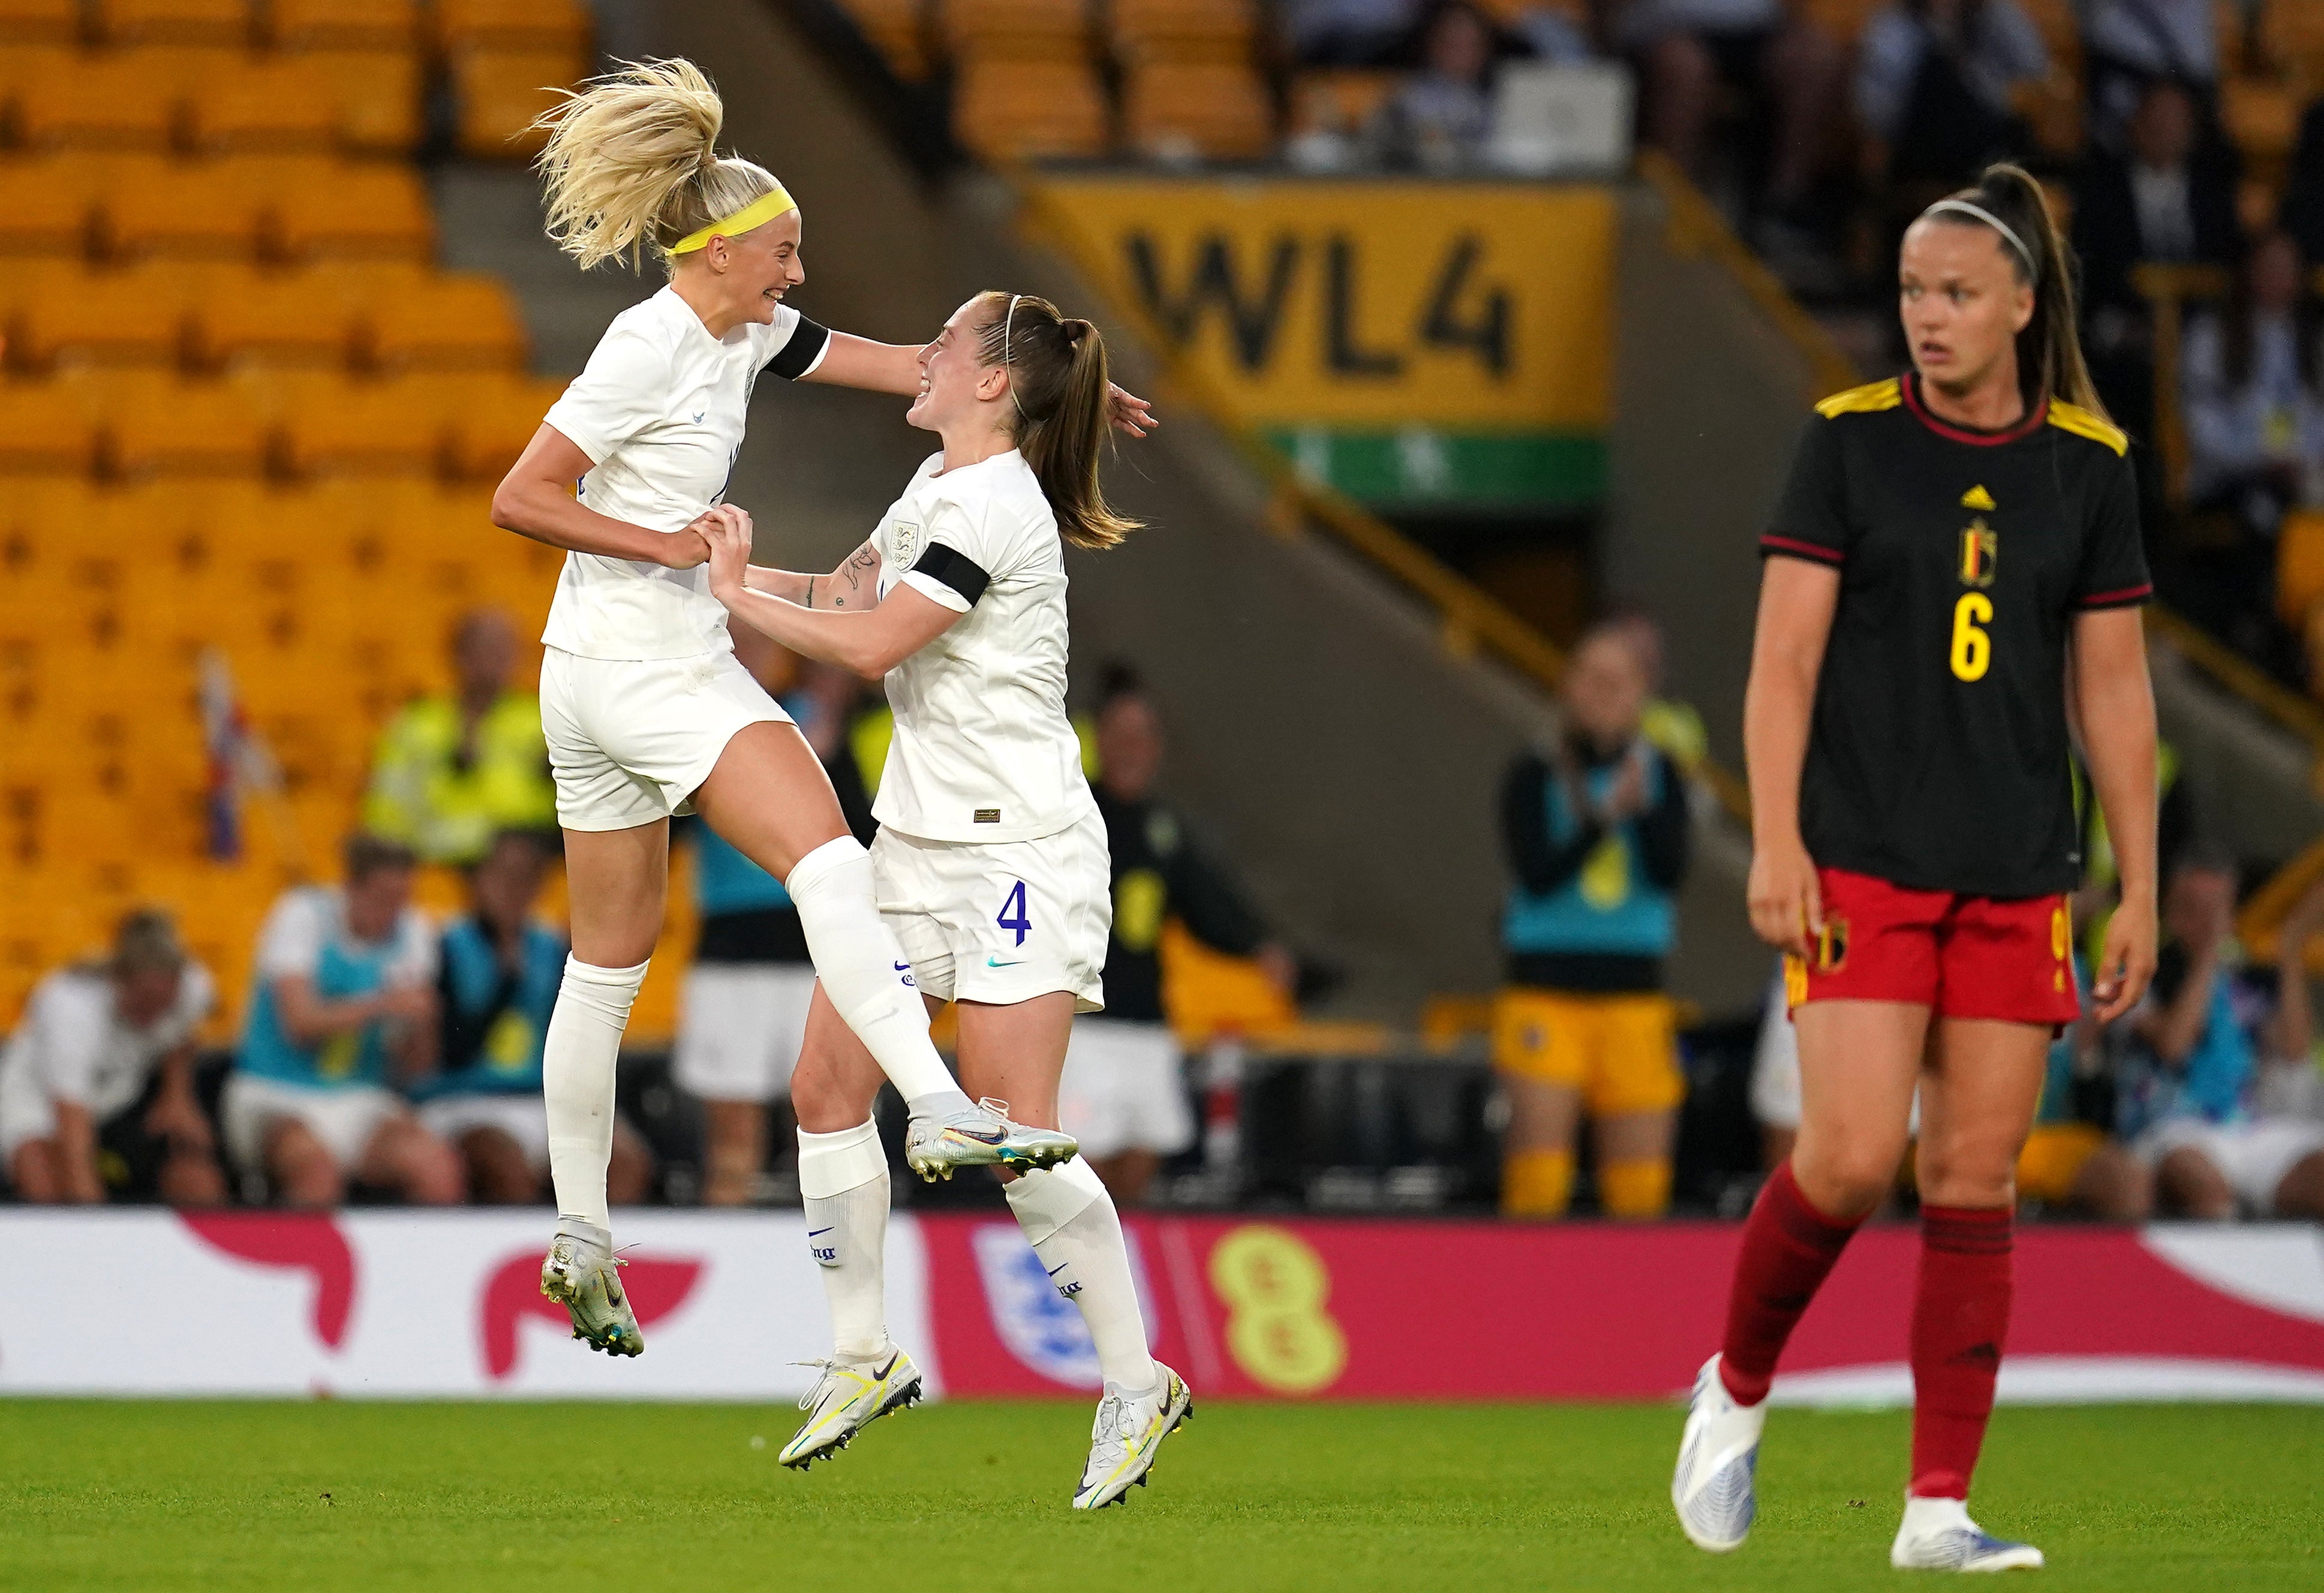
1013	915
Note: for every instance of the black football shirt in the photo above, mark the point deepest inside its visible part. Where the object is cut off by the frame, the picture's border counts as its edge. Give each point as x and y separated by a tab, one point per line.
1938	754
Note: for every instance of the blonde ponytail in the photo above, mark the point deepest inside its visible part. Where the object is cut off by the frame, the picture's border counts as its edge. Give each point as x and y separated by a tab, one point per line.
2049	362
632	164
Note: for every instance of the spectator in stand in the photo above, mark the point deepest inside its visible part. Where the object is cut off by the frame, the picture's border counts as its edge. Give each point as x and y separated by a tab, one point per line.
2130	45
1122	1095
1673	726
498	971
743	1016
96	1086
2254	422
1933	86
2202	1036
2167	199
344	1008
1597	832
1440	116
2294	1087
1685	48
451	772
1347	33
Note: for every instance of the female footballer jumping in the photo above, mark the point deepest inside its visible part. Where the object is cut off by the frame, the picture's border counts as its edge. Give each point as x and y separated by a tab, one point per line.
991	861
1951	581
644	706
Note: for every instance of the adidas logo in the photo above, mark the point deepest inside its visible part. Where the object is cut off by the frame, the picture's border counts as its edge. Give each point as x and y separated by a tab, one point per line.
1977	497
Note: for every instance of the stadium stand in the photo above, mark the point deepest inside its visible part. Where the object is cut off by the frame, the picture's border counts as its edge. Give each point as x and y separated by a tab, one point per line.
247	435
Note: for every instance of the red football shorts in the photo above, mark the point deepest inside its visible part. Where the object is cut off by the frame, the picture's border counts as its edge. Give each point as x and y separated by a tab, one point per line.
1960	956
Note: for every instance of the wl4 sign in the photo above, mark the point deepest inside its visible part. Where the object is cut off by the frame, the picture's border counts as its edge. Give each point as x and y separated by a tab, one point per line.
1409	341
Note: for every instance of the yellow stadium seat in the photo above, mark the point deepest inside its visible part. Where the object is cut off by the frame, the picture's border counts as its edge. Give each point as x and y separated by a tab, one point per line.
492	429
181	209
1012	108
499	93
107	317
2291	31
512	24
173	22
344	24
1340	99
128	101
43	210
38	22
1023	29
1182	30
298	317
463	321
27	280
375	94
373	211
2262	119
284	105
367	428
206	429
1215	109
898	29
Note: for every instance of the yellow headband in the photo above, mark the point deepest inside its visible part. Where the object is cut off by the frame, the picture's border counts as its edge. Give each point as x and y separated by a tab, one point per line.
757	213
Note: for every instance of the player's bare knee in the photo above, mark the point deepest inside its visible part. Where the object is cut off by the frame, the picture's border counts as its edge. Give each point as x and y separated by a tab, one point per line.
1847	1179
2301	1192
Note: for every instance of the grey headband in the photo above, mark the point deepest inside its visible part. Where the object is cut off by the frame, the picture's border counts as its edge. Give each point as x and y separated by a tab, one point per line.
1963	206
1007	326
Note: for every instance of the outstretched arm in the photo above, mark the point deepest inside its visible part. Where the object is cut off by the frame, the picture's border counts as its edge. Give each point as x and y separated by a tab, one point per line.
895	367
854	585
870	639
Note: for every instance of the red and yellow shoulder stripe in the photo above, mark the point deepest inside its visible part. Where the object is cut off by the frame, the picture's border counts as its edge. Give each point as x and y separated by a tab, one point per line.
1872	397
2074	418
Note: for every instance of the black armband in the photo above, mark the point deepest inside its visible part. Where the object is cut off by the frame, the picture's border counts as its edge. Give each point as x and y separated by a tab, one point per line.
798	357
955	569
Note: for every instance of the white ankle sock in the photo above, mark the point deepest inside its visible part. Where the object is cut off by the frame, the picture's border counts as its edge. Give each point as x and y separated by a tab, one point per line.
1071	1222
844	1183
865	975
576	1077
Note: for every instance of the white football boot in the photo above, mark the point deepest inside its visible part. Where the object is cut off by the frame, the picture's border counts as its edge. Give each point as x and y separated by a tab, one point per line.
1718	1458
981	1136
582	1274
846	1399
1937	1535
1130	1429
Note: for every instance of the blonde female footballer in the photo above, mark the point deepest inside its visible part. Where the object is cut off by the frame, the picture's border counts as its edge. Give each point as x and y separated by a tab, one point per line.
644	708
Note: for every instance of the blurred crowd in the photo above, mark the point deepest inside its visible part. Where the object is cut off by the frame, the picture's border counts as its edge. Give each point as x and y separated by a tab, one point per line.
385	1055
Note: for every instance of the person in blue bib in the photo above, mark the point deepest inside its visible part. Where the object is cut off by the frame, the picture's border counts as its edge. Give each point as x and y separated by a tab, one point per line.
344	1008
1596	828
498	971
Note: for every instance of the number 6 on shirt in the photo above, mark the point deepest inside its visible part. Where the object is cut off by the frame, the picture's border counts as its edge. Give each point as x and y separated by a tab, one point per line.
1022	920
1972	647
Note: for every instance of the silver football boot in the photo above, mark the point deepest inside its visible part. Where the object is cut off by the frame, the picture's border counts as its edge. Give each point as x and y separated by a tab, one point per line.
582	1274
1129	1432
848	1398
981	1136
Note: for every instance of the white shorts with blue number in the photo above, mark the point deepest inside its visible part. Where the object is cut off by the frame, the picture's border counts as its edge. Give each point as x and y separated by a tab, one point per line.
1001	922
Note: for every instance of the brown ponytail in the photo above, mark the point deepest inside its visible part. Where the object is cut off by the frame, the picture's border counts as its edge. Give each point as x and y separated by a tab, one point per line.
2049	362
1058	376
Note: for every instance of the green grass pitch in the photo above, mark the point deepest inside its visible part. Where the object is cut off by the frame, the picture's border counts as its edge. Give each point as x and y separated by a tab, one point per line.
155	1495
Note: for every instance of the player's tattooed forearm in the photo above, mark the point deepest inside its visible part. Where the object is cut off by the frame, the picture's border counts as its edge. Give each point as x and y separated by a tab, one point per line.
810	592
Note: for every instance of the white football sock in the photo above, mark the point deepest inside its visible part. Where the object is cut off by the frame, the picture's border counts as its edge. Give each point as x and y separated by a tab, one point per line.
576	1080
865	975
1071	1222
844	1183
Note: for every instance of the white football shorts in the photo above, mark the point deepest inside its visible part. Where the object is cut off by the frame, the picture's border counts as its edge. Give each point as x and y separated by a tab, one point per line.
345	1117
1003	921
2253	1156
1124	1088
523	1118
740	1027
630	740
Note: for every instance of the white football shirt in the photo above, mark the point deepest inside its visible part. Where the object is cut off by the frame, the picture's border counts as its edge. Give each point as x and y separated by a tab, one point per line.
660	411
984	750
72	1044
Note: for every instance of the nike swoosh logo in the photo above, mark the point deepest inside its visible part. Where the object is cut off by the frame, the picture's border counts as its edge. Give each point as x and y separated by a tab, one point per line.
891	1366
813	1231
1059	1268
997	962
903	967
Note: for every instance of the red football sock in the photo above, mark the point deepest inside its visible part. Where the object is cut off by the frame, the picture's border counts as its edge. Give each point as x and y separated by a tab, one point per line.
1960	1318
1788	1247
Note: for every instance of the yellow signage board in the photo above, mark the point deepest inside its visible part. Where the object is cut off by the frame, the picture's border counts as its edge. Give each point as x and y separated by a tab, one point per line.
1366	306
